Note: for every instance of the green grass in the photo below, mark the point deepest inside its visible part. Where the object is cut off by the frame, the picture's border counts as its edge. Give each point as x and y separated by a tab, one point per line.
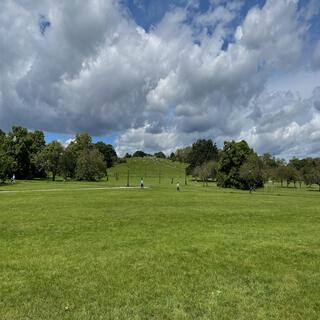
150	169
202	253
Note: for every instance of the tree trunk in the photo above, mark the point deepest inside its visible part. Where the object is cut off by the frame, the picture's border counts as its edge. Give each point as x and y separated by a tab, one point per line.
53	176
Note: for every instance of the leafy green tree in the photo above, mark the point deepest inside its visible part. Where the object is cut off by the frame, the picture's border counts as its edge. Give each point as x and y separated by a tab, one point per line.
69	162
297	163
37	145
109	154
183	154
23	147
232	157
50	158
268	161
6	166
19	145
140	154
83	141
270	165
206	171
307	171
90	165
6	161
292	175
281	173
160	155
315	173
2	137
311	171
202	151
172	157
251	173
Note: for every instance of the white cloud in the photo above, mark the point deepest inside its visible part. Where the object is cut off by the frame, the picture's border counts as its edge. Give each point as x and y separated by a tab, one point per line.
316	57
94	69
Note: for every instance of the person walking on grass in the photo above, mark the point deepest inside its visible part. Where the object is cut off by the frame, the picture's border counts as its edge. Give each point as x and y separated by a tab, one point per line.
13	179
178	186
141	183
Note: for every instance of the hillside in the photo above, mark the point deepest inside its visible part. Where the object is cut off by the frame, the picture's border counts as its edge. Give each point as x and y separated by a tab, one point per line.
150	169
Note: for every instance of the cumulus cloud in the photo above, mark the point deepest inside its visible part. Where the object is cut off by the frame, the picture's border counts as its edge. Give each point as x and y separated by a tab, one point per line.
316	57
286	124
67	68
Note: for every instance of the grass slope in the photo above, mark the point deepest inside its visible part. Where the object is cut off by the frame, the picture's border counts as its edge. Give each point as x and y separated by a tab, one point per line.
150	168
202	253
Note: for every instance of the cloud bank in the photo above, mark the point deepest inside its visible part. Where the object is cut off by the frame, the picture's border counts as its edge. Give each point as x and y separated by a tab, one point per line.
67	67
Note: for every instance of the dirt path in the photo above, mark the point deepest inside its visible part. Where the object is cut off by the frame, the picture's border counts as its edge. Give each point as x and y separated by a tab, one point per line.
71	189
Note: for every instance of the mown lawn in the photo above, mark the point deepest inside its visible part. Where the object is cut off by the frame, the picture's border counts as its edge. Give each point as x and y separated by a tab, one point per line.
202	253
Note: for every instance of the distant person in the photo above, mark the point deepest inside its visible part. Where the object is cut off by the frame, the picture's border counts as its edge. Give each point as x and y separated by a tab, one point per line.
178	186
141	183
13	179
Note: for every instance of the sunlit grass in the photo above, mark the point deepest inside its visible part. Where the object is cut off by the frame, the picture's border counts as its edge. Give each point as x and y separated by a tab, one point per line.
201	253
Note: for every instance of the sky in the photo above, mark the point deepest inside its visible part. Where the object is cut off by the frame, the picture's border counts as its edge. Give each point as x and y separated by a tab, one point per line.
158	75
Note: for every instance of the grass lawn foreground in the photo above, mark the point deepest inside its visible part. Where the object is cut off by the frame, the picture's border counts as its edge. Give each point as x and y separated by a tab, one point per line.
202	253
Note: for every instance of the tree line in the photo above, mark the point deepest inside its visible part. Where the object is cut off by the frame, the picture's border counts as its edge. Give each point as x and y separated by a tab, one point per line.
26	155
237	165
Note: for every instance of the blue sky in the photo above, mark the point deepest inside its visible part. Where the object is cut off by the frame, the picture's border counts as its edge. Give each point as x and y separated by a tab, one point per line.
157	75
150	12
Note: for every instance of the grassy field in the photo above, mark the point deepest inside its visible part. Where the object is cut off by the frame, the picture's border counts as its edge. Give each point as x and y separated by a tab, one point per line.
152	170
82	251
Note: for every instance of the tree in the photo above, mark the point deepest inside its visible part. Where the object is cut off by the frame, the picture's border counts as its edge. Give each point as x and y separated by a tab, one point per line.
287	173
160	155
108	152
2	137
18	145
140	154
37	145
281	173
69	162
6	161
251	173
292	175
270	165
233	155
316	175
206	171
6	166
83	141
50	158
183	154
268	161
172	157
90	165
311	171
202	151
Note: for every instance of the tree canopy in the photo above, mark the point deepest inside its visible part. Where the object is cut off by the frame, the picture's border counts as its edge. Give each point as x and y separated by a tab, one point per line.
201	151
232	157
